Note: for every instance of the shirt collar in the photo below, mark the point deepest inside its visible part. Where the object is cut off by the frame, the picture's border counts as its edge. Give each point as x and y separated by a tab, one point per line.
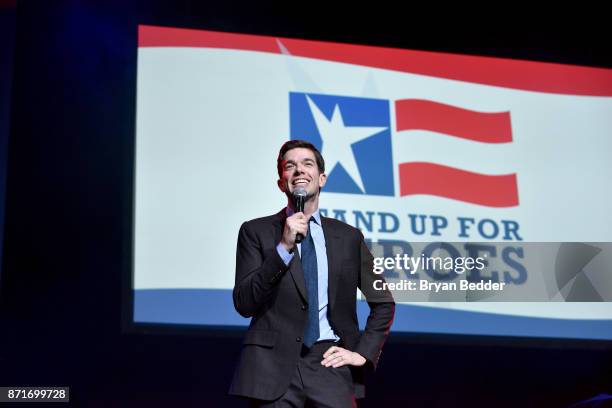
316	214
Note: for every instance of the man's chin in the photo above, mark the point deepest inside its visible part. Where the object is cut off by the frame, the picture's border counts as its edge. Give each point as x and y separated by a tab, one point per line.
309	194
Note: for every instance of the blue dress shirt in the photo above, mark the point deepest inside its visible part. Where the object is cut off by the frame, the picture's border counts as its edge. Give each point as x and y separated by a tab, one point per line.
325	330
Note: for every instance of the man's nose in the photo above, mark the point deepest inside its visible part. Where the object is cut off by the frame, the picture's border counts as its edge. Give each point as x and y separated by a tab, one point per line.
299	169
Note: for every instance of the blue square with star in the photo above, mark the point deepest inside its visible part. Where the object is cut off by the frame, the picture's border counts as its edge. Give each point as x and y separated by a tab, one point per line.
354	136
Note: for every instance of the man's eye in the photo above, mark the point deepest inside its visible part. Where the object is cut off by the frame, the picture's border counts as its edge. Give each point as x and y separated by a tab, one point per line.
288	166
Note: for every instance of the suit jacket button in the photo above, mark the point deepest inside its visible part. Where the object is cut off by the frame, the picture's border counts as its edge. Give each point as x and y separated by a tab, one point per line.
304	307
298	339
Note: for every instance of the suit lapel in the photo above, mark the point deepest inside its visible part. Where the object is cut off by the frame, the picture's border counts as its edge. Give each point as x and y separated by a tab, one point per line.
295	266
297	273
332	246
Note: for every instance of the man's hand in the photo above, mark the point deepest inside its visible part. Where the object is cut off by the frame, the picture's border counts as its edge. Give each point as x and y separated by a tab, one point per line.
337	357
295	224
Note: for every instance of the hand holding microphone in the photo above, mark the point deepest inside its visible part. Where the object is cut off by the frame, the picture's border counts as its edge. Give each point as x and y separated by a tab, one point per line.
296	226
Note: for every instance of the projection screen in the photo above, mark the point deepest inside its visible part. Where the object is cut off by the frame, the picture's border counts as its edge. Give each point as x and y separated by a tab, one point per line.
420	147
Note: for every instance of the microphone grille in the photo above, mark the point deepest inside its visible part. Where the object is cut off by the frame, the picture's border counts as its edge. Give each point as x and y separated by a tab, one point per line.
300	192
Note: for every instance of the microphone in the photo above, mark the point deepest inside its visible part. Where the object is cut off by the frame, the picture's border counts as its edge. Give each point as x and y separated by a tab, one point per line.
299	198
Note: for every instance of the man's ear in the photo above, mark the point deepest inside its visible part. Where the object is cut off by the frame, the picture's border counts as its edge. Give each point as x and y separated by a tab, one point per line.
322	179
281	185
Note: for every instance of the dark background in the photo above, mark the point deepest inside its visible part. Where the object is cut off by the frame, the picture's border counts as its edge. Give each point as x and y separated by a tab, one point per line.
67	241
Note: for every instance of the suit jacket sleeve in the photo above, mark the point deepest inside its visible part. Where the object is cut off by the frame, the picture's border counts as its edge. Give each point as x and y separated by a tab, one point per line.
257	271
382	309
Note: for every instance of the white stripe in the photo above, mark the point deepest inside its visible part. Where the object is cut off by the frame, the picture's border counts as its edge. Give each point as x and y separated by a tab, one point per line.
478	157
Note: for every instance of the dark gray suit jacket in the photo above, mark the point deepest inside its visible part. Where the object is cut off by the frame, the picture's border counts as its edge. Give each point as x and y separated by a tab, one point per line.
274	295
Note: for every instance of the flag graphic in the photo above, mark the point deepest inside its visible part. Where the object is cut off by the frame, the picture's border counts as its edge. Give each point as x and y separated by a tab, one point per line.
355	135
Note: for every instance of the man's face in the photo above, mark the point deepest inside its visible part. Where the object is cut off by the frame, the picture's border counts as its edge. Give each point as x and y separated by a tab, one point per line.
299	169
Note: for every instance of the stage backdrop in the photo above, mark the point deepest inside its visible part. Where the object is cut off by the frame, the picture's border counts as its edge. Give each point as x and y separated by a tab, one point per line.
419	146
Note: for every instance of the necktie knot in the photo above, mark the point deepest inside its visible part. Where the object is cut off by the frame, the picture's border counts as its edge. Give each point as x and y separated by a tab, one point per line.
312	219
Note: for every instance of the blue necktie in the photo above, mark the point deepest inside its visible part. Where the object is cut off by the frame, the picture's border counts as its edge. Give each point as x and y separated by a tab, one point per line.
309	265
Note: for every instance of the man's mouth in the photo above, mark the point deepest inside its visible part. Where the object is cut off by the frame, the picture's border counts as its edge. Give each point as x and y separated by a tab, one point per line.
300	182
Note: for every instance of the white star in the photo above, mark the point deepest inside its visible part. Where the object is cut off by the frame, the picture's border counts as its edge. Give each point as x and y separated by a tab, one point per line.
338	138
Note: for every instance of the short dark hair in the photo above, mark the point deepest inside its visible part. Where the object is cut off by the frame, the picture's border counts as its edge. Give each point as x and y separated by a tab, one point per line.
293	144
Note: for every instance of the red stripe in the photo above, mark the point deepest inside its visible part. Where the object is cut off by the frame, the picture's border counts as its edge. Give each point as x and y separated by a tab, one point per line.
467	124
524	75
181	37
449	182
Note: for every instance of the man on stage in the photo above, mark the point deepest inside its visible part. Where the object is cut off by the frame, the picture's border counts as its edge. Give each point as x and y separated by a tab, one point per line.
297	275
